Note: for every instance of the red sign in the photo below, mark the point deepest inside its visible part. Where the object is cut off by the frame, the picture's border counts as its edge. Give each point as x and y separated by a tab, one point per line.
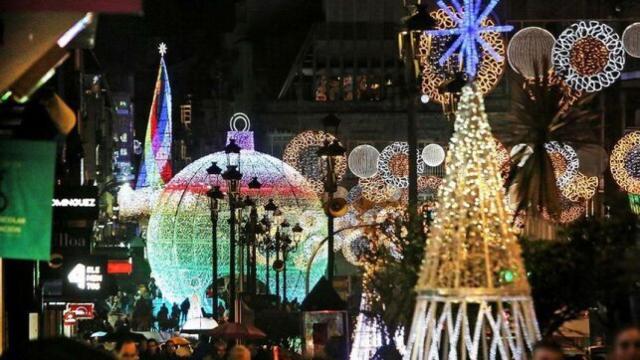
69	318
119	267
80	310
103	6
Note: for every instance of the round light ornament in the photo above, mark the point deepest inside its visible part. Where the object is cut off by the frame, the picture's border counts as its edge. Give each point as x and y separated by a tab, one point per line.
631	40
565	162
433	155
363	161
625	162
393	165
589	56
529	50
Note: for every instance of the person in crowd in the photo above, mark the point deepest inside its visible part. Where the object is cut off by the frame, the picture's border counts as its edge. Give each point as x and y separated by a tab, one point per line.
54	349
183	352
175	313
547	350
626	344
153	350
239	352
184	309
126	350
169	350
218	351
153	288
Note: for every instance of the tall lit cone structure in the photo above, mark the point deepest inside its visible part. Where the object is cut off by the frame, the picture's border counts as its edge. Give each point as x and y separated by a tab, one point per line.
473	298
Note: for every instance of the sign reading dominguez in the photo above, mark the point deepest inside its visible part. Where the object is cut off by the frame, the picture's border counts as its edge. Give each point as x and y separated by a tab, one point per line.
26	192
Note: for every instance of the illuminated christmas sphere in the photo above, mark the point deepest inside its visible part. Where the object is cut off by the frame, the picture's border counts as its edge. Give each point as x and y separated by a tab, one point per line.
631	40
433	155
393	165
589	55
625	162
302	154
529	50
363	161
180	229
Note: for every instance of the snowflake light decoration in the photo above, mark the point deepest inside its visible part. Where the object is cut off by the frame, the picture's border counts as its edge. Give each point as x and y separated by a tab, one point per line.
301	154
581	187
589	55
431	50
565	162
393	165
570	212
470	27
429	183
625	163
375	189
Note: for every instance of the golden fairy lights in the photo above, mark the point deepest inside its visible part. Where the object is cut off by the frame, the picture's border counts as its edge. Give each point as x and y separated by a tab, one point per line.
625	162
301	154
472	256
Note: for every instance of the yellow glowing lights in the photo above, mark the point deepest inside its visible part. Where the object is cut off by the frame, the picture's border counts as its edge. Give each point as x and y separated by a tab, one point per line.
625	162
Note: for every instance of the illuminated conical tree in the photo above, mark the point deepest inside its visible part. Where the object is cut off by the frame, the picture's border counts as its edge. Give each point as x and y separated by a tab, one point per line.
473	299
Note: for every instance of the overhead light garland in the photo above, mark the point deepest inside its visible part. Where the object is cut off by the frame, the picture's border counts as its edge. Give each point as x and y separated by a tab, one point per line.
625	162
302	153
431	50
589	56
393	165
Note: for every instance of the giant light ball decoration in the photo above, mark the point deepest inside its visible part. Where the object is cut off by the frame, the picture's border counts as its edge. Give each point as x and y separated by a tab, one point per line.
589	55
179	233
529	50
363	161
631	40
433	155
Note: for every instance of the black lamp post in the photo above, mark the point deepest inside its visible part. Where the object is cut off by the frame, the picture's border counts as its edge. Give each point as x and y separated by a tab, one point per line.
413	27
291	241
254	186
232	176
270	209
215	195
329	152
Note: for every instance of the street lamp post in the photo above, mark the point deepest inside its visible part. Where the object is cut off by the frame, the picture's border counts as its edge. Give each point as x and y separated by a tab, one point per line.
270	209
291	242
413	27
254	185
215	195
329	152
232	176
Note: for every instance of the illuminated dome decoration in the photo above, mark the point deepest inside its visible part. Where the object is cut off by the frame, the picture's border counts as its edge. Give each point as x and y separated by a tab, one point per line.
136	204
581	187
530	49
363	161
589	55
179	233
565	162
302	154
433	155
489	68
625	162
393	165
631	40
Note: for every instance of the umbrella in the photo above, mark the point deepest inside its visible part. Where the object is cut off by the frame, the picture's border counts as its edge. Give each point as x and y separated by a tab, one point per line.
237	331
150	335
179	341
123	335
99	334
198	325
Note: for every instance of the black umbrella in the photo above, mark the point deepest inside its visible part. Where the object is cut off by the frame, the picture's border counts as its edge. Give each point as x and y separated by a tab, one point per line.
123	335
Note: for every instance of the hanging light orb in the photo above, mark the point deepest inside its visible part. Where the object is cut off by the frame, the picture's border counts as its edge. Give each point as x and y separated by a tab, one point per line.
529	50
433	155
625	162
363	161
589	55
631	40
393	165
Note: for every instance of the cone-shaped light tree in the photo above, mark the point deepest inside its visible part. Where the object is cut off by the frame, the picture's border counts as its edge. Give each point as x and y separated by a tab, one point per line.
473	298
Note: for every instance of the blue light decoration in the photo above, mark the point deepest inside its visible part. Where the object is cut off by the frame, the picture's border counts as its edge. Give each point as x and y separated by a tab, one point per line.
469	29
